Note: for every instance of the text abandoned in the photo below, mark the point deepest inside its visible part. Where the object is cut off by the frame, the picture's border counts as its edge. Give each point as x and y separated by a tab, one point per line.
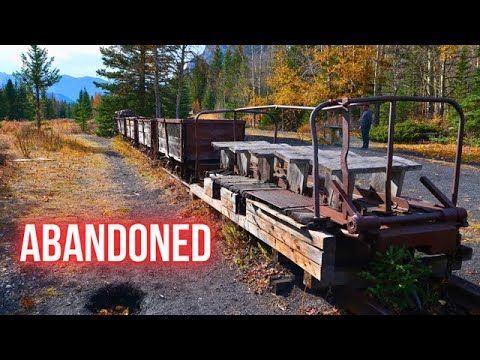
138	242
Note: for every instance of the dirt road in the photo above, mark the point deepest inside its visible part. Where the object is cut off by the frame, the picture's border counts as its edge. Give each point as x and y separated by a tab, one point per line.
99	182
103	181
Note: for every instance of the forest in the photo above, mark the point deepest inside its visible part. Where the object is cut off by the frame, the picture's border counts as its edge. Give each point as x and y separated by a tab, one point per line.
16	103
171	81
178	81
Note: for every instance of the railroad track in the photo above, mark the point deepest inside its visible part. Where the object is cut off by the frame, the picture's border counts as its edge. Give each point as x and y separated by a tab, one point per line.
464	295
463	298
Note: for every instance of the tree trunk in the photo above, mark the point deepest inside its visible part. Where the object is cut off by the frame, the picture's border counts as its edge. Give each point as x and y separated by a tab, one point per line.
141	92
329	74
253	71
376	83
260	72
181	66
37	99
158	111
442	84
430	81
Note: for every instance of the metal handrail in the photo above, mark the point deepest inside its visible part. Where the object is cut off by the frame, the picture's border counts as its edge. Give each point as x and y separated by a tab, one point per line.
347	102
343	104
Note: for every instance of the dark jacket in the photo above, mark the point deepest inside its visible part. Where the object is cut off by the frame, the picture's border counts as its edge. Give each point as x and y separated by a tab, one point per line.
366	119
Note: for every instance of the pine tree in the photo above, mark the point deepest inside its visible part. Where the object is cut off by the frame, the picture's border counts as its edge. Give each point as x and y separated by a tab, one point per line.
39	75
198	82
462	75
126	67
214	94
83	109
471	107
2	105
62	111
48	108
25	109
104	114
10	96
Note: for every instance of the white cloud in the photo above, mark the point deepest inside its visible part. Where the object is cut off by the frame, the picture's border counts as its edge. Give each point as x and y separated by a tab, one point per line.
75	60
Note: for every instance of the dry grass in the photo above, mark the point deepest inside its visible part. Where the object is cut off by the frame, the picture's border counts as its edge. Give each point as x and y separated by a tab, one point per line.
259	132
439	151
69	186
251	257
27	139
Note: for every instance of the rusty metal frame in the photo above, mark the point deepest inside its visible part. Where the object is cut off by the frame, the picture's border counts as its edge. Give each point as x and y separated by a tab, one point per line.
347	102
359	222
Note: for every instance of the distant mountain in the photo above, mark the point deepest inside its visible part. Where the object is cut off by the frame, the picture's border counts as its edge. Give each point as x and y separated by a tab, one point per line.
68	87
61	97
208	51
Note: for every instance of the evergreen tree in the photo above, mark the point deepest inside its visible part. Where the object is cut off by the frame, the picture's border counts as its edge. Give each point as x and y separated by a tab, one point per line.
214	95
48	108
39	75
62	111
10	96
104	114
83	109
198	82
462	76
234	75
2	105
471	107
126	67
25	108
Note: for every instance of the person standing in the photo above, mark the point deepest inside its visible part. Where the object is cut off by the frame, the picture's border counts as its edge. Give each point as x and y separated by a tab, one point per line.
366	123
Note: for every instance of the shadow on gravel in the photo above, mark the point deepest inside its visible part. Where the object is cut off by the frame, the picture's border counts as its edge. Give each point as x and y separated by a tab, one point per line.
112	296
113	154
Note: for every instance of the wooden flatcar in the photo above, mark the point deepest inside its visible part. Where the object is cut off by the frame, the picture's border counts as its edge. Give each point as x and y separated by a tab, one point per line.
304	201
183	144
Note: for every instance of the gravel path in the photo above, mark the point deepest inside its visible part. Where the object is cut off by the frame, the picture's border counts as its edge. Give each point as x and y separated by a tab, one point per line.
211	289
214	288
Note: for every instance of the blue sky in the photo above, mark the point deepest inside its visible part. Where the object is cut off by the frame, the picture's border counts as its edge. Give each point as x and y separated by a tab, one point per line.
74	60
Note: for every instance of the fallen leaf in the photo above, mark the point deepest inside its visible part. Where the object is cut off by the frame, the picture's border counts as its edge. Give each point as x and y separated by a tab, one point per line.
124	312
104	312
442	302
27	302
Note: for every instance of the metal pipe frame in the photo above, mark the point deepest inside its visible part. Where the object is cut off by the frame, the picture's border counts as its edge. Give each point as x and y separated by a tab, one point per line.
347	102
343	104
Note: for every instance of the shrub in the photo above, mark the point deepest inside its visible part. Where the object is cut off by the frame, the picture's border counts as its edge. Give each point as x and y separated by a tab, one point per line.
396	277
25	139
407	132
50	139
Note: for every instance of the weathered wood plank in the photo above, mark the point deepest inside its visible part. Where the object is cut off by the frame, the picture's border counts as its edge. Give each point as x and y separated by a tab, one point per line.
316	238
295	248
227	159
251	203
230	200
296	243
297	174
208	187
298	258
221	145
